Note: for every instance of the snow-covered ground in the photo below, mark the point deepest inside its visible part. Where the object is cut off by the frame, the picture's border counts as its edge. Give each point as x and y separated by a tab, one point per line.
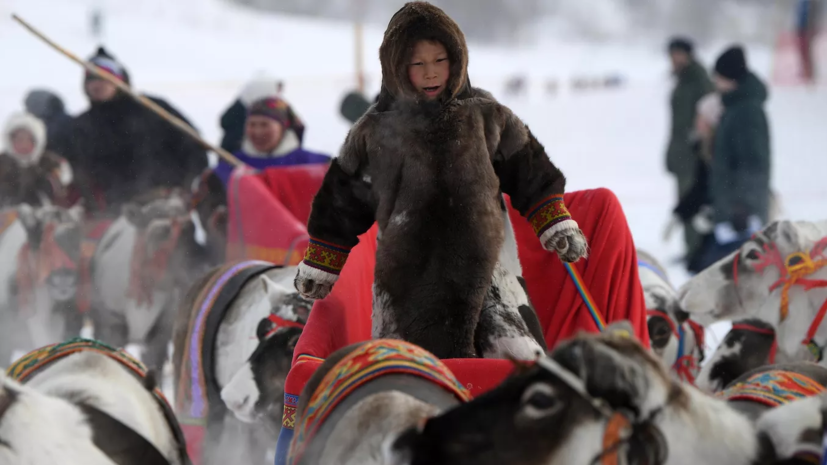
198	53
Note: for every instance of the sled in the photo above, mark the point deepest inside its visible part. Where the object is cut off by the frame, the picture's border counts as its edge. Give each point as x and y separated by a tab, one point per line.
560	294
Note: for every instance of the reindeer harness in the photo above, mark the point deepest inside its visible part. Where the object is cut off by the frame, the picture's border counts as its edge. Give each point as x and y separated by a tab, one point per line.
622	427
794	270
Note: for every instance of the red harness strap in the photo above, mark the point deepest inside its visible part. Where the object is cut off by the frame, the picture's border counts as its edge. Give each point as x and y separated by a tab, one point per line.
686	365
793	271
35	265
146	272
279	322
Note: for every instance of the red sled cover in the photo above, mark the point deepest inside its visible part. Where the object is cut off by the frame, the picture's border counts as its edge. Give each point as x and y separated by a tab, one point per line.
610	273
268	212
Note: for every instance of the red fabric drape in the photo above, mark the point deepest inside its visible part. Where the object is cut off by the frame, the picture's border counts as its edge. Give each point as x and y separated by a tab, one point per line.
268	213
610	273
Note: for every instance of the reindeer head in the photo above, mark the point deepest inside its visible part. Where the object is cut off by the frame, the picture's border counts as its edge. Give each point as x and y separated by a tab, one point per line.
257	389
557	411
745	283
166	254
54	237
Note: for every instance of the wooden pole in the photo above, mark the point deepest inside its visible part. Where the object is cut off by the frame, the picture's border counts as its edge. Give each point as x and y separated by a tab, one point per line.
360	75
103	74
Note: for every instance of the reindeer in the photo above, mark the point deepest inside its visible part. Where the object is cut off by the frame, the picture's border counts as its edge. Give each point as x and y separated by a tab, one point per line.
39	277
140	270
777	276
676	339
596	399
246	347
36	429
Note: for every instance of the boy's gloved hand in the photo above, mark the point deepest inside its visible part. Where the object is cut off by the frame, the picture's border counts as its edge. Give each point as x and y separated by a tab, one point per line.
569	242
313	283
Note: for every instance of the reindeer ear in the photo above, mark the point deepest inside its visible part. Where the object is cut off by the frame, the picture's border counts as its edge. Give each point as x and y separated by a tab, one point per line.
620	328
275	292
133	213
264	328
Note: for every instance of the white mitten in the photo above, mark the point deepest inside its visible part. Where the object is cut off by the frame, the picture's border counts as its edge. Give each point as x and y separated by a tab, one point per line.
320	269
313	283
567	240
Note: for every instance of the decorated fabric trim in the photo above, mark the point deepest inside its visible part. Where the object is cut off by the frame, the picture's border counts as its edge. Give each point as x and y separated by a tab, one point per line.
39	358
372	360
291	403
325	256
773	388
547	213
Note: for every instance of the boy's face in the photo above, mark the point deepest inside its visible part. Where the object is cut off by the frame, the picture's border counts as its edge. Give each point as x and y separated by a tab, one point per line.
429	68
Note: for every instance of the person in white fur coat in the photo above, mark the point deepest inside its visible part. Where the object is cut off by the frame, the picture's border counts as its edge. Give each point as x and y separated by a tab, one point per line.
28	172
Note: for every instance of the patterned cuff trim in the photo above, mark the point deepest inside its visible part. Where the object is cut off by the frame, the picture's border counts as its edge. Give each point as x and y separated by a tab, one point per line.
326	256
548	213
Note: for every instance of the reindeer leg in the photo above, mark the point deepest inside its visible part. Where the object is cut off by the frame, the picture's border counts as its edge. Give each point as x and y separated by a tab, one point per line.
508	326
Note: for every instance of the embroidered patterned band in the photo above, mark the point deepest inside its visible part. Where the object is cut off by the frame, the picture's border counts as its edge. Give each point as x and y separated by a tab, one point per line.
325	256
547	213
370	361
773	388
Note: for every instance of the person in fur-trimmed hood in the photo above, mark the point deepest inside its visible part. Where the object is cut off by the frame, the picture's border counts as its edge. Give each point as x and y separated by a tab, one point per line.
28	172
428	162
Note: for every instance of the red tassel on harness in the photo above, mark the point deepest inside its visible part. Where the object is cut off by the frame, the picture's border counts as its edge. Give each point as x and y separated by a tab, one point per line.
34	267
146	272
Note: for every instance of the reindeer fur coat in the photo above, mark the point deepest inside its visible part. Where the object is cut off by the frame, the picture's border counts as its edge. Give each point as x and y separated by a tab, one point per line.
431	174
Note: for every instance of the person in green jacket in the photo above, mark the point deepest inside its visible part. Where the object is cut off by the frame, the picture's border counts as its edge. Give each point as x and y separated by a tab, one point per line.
681	160
739	183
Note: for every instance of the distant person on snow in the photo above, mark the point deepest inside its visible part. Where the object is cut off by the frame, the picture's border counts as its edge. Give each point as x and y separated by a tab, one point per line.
681	160
49	108
739	177
28	171
122	151
806	27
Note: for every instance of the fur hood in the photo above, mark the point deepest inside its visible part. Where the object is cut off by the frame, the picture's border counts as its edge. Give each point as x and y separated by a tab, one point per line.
414	22
32	124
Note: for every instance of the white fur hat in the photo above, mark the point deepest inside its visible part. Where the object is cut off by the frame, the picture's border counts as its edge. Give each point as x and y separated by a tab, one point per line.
32	124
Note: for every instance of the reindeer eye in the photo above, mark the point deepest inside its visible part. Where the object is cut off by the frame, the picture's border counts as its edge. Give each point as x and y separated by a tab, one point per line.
753	255
539	401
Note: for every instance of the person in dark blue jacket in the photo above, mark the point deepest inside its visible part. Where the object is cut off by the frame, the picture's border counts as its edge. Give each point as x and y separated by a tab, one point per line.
271	138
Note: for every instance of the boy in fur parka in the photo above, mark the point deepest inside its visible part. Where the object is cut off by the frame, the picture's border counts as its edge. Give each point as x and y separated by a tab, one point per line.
428	162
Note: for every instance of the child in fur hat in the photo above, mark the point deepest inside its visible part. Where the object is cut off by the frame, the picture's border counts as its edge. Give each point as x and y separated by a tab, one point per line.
28	172
428	162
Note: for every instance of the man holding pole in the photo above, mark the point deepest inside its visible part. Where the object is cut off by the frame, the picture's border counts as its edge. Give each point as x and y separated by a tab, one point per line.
122	150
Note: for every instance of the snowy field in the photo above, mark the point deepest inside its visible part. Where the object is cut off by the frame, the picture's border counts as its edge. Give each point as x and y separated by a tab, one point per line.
198	53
